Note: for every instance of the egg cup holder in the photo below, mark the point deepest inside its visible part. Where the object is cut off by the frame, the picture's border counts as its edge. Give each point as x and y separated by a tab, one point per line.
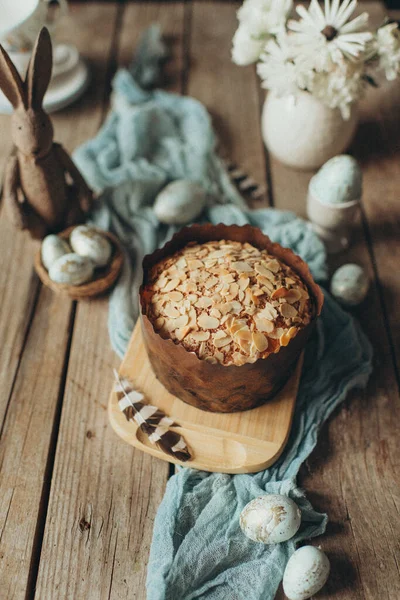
104	277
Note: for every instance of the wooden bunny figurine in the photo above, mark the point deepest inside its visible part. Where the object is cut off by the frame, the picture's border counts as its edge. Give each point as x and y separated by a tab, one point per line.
35	189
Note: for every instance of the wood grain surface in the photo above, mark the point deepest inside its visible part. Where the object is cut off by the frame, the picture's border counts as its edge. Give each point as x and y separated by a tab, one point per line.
104	493
77	505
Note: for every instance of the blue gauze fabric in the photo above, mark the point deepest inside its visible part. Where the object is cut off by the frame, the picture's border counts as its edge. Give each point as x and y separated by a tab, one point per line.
198	549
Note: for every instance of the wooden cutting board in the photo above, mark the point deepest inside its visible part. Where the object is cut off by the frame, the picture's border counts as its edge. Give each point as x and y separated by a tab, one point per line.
242	442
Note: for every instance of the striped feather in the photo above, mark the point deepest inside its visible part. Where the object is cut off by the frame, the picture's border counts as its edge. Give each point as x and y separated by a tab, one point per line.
245	184
154	423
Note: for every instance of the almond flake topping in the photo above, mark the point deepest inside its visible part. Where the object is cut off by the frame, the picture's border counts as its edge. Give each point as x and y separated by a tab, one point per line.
221	342
260	341
195	264
171	311
293	296
242	267
181	333
288	311
227	302
206	322
180	321
159	322
204	302
233	290
264	325
211	281
243	283
175	296
219	334
273	265
279	293
262	270
200	336
171	285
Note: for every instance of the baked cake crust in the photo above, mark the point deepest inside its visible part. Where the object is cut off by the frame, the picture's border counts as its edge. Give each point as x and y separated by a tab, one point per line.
226	301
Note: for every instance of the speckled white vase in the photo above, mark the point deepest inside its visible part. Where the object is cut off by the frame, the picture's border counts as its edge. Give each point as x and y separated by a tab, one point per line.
304	133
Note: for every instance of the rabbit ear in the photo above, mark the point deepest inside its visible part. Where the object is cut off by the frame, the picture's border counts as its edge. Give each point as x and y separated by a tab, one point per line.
10	81
39	69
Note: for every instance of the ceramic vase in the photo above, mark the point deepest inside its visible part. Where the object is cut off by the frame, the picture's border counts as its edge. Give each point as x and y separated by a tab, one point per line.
302	132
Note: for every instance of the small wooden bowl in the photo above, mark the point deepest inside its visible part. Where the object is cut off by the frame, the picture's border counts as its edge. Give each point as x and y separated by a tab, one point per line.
104	277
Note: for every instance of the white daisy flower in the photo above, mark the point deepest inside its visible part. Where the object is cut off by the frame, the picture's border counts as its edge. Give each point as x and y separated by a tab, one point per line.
341	87
326	36
246	50
388	46
278	70
264	17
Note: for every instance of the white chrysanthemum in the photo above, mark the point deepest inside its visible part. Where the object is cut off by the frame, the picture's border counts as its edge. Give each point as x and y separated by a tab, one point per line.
388	46
341	87
245	49
328	36
264	17
278	70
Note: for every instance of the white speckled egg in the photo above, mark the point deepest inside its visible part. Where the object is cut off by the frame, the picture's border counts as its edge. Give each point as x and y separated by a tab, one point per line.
88	241
338	181
350	284
52	248
180	202
71	269
306	573
270	519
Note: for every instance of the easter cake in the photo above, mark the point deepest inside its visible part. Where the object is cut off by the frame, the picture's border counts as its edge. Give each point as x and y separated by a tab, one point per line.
228	302
224	305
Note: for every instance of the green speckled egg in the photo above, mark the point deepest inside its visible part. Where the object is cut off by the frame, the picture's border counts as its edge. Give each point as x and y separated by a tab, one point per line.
338	181
350	284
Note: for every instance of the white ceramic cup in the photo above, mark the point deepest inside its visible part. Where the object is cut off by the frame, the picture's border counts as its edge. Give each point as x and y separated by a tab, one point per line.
333	223
21	21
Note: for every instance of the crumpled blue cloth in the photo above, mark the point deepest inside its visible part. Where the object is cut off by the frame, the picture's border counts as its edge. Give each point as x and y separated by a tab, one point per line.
198	549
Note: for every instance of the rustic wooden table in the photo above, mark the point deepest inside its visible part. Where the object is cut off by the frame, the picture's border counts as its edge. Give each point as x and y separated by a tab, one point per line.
77	504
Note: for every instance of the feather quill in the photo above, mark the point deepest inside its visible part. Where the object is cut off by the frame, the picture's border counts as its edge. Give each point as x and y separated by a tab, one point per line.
244	182
154	423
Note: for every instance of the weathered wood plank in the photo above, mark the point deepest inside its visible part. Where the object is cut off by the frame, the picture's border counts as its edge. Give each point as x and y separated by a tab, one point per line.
229	92
348	473
37	361
378	147
26	439
352	473
18	288
104	494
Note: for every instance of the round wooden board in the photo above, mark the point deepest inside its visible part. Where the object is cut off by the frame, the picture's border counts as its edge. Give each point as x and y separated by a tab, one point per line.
241	442
104	278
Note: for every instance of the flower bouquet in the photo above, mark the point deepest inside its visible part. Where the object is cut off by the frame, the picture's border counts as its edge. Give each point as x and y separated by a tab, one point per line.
317	68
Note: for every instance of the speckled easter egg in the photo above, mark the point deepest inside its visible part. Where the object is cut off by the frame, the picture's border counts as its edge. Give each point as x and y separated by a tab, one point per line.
180	202
89	241
338	181
71	269
306	573
52	248
270	519
350	284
